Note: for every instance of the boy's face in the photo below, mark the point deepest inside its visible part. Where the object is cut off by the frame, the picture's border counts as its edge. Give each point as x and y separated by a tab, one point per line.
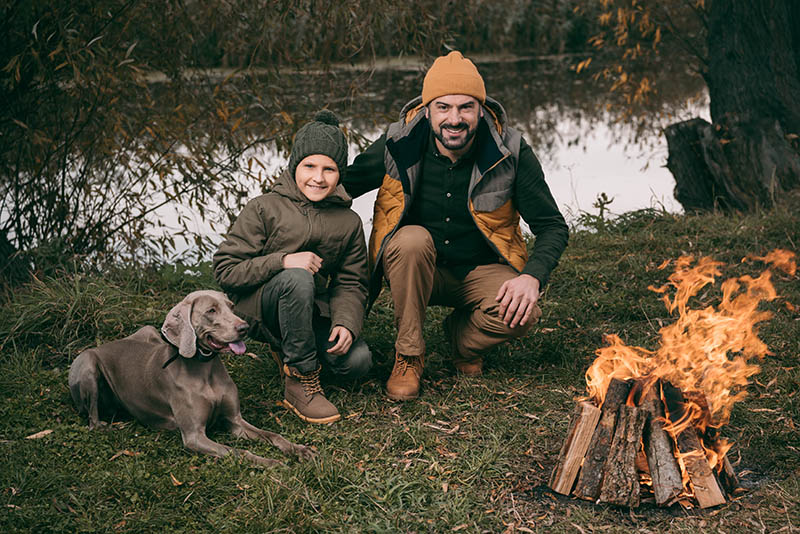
316	176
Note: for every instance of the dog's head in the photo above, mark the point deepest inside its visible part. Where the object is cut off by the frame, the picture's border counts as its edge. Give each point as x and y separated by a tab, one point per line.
204	320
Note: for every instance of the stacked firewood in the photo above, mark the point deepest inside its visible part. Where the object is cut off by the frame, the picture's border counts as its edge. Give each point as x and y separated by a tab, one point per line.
613	451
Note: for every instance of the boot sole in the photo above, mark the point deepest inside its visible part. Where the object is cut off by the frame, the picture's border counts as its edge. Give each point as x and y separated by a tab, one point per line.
398	397
315	420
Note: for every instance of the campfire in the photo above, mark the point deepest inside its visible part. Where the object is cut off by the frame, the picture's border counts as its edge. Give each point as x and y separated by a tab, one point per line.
652	419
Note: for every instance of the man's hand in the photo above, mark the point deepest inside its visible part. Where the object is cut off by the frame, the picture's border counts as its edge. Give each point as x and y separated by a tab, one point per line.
343	338
518	298
303	260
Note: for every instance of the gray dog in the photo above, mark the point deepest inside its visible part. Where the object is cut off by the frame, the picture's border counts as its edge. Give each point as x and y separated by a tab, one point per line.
174	379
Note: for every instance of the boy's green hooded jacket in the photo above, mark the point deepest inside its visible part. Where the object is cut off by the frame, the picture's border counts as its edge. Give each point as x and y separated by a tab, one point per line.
284	221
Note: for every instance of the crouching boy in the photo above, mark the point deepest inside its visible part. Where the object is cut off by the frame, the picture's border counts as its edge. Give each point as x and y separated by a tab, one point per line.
295	264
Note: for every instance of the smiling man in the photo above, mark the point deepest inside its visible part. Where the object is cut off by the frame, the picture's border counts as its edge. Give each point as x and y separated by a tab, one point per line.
453	179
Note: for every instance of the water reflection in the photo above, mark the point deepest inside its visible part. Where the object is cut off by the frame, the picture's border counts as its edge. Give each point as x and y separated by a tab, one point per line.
588	142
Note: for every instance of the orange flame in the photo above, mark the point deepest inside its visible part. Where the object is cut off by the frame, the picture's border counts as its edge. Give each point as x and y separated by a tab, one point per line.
694	350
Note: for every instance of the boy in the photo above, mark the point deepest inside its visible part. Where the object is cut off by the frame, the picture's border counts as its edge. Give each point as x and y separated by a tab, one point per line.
295	265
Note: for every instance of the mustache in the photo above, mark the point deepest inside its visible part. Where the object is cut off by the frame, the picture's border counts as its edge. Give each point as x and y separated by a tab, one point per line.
459	126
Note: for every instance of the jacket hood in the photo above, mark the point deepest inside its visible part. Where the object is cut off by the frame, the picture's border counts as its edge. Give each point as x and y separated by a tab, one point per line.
286	186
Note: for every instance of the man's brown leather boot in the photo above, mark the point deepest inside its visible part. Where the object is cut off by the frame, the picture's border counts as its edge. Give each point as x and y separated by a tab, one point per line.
403	384
304	396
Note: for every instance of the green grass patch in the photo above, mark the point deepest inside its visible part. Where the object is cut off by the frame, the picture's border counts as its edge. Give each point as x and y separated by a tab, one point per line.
469	456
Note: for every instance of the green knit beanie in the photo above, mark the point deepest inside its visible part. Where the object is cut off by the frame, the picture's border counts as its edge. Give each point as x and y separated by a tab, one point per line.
322	136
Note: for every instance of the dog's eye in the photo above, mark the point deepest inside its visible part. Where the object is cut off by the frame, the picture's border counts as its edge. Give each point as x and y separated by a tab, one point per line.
212	311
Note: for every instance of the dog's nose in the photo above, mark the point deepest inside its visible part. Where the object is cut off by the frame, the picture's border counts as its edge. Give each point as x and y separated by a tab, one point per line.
242	328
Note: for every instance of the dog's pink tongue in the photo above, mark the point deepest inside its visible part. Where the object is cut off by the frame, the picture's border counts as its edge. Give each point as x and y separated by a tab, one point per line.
237	348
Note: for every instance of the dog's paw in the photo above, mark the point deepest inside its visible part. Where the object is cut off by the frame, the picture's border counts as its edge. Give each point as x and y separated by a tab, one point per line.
304	452
98	425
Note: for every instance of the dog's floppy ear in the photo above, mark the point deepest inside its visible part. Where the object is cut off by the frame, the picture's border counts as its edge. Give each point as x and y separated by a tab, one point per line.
177	328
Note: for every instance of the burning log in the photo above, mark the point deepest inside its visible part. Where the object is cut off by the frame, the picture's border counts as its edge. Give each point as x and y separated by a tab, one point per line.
664	470
591	477
581	427
706	488
620	480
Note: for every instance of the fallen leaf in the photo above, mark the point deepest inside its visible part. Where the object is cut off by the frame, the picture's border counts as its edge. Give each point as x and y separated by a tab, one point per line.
126	452
175	481
38	435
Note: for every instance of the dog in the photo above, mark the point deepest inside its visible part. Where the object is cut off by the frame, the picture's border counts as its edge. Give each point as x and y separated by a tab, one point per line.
175	378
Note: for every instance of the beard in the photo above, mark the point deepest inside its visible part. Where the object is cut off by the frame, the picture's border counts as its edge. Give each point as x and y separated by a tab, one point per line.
458	143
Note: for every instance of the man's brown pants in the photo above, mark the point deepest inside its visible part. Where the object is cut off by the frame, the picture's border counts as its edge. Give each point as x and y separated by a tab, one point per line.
416	282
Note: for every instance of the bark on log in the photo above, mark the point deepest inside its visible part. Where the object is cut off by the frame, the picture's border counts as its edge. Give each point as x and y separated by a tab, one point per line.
581	427
664	470
704	483
591	474
620	480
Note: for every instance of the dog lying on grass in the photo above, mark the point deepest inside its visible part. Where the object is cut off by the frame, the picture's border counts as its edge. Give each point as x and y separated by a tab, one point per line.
174	378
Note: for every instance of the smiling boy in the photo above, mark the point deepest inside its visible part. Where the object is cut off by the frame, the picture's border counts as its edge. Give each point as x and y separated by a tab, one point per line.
295	265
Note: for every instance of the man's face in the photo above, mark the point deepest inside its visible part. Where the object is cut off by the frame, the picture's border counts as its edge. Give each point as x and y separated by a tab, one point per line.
316	176
454	120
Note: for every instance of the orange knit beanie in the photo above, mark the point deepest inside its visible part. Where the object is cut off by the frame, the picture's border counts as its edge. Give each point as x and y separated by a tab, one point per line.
452	74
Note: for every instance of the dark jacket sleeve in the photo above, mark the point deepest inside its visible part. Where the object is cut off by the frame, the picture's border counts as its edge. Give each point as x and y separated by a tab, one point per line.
538	208
367	170
348	287
239	265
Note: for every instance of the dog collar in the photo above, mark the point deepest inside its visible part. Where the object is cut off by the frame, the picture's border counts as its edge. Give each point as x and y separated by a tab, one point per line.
199	355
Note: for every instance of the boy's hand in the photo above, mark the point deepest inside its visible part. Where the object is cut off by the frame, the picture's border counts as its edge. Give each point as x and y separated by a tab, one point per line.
303	260
343	339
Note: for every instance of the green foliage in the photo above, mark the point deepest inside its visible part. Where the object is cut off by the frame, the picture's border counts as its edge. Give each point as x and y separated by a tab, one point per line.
471	455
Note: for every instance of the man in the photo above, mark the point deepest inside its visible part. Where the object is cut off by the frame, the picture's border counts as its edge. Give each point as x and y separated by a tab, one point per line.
453	180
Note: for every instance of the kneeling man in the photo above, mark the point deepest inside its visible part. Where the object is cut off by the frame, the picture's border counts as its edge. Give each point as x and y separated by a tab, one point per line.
453	179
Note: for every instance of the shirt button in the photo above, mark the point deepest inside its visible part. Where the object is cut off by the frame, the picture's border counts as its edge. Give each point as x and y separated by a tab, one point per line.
446	241
449	195
447	219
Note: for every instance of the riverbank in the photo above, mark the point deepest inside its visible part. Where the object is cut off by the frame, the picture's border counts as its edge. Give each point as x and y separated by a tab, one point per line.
469	456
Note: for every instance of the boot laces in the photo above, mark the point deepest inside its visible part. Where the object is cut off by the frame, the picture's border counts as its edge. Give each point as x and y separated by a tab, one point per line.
311	383
404	363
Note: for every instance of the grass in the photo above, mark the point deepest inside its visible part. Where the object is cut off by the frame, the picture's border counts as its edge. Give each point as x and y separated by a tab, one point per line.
471	455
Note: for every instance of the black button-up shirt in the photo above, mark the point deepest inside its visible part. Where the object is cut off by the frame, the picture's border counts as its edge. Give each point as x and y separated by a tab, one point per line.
440	206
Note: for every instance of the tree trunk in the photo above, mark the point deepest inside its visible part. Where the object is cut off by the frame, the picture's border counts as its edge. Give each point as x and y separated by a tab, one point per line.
750	154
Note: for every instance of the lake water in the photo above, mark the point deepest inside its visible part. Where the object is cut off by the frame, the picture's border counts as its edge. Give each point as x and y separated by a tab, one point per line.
586	142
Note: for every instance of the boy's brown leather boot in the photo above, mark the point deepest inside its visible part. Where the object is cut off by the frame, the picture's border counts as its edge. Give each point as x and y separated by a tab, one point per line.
303	395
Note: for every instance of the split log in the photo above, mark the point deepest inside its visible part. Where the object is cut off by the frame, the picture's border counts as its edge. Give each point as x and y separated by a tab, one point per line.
727	477
581	427
706	489
591	474
725	473
620	480
664	470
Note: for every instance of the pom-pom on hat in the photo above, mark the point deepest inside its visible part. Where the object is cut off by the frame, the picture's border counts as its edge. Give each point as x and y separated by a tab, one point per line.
321	136
452	74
